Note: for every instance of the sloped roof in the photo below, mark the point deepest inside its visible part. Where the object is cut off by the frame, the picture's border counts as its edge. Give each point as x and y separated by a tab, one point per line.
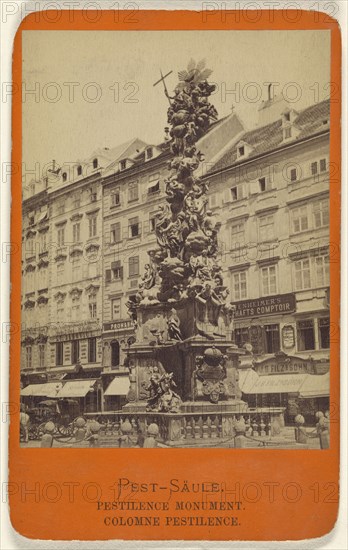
268	138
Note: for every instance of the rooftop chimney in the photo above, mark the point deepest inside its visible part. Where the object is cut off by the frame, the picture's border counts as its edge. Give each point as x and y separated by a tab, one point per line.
271	109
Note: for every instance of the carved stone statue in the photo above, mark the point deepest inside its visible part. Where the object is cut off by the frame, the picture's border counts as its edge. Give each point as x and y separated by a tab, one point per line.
163	398
174	331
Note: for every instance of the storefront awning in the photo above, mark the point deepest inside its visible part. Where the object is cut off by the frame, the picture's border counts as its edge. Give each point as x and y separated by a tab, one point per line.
76	388
282	383
49	389
247	378
317	385
119	386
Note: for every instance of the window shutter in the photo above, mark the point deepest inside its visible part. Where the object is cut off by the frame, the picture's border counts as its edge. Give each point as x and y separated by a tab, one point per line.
121	272
107	275
227	195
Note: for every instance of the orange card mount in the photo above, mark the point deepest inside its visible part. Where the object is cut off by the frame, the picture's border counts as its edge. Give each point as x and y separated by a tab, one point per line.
175	296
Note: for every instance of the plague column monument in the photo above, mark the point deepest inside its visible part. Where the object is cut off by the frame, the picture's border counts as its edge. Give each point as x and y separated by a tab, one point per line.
183	360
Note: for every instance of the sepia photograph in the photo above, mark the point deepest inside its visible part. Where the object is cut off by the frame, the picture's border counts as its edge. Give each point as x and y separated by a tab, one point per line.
176	248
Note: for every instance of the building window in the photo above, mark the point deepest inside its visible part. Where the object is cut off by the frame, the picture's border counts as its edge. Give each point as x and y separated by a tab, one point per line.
115	232
116	308
234	193
64	176
134	227
293	174
305	335
60	236
287	133
92	224
92	306
153	189
92	350
76	269
75	351
134	266
75	308
322	270
324	333
241	151
287	117
314	168
117	270
322	164
95	163
60	273
149	153
43	242
133	192
299	219
152	222
302	274
241	336
123	164
79	170
76	232
28	356
115	197
239	286
93	195
61	207
59	353
42	356
262	184
115	354
237	234
269	280
60	311
266	228
272	339
321	213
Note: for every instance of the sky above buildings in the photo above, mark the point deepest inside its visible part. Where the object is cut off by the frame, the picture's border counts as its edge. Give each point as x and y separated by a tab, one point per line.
88	90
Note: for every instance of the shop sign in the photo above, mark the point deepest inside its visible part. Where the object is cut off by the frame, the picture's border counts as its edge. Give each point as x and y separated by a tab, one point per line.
118	325
284	364
272	305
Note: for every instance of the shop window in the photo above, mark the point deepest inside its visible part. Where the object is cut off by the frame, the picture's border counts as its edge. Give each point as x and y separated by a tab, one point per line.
75	351
305	335
92	350
59	353
42	356
324	332
115	354
241	336
272	339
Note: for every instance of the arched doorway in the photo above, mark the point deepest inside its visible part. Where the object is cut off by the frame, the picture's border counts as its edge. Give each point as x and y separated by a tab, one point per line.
115	353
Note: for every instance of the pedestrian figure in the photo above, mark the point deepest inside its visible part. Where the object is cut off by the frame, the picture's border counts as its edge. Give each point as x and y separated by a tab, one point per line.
24	420
300	430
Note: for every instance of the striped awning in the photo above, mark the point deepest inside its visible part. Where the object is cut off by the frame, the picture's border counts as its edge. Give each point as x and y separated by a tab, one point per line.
76	388
316	385
50	389
118	386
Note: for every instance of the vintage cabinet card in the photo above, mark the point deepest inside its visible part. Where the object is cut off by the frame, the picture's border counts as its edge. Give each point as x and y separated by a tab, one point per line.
175	285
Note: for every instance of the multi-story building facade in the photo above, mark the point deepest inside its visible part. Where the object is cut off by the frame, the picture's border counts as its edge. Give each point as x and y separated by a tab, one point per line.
35	281
96	224
272	188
